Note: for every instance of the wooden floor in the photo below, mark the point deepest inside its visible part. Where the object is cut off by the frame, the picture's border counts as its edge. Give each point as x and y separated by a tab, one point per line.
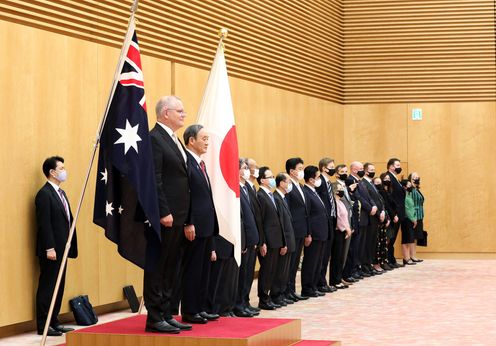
437	302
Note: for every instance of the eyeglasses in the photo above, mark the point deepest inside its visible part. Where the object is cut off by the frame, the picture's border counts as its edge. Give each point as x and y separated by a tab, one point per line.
179	111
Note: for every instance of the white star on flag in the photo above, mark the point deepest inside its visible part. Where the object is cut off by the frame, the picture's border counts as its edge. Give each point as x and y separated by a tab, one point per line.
108	209
129	137
120	209
104	176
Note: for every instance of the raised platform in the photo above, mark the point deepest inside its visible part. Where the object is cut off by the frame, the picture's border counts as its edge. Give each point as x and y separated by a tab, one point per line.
317	343
224	332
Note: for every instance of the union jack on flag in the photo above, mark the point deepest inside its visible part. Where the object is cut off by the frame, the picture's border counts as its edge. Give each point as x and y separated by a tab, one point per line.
126	203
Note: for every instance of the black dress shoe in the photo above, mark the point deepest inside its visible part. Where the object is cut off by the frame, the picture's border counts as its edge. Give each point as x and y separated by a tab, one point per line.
279	301
253	308
325	289
266	306
386	266
209	317
242	313
253	312
277	306
62	329
288	301
161	327
225	314
377	272
297	296
417	260
357	276
409	262
177	324
320	293
309	294
51	332
196	318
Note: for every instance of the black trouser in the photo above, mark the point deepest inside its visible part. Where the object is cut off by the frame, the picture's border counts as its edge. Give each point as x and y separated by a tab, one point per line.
326	257
391	258
196	275
222	286
294	263
352	258
312	262
266	274
246	270
336	270
49	271
159	284
280	284
372	230
362	245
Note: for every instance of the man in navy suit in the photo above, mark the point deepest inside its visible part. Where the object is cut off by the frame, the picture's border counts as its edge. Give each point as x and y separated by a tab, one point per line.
172	178
53	220
299	218
204	226
249	242
274	238
318	227
398	194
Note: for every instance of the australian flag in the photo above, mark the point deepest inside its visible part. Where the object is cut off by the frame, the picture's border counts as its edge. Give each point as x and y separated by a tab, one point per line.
126	203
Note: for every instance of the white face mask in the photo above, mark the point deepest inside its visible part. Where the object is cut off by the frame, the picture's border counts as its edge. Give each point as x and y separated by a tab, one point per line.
61	176
246	174
300	175
318	182
255	173
289	188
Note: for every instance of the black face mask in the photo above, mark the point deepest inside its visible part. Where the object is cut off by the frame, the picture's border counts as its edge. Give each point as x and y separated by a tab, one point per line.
340	194
343	177
361	173
371	174
416	181
331	171
398	170
379	187
386	182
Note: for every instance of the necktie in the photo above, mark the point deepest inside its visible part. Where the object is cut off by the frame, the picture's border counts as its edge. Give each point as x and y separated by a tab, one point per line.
272	199
179	146
316	194
204	170
245	191
64	202
331	198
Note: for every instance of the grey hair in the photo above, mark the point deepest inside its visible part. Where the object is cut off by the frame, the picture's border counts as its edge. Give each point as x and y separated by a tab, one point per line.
242	160
165	102
191	131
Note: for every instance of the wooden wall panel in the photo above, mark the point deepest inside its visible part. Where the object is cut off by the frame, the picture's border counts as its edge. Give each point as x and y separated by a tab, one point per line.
375	132
419	51
451	150
290	45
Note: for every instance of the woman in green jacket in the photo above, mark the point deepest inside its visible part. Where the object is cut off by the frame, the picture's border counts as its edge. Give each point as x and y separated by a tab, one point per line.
408	224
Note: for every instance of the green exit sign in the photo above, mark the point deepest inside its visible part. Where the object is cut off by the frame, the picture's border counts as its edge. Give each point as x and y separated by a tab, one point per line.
417	114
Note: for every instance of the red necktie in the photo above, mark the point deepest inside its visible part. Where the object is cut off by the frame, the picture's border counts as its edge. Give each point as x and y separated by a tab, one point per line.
204	170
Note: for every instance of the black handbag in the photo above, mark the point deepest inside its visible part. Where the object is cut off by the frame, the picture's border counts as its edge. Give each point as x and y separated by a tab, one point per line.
83	311
423	240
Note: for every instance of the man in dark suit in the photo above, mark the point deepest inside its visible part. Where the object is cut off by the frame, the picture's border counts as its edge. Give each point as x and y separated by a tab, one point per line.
279	288
171	174
398	195
204	226
318	226
53	220
367	210
274	238
249	242
376	220
326	194
299	217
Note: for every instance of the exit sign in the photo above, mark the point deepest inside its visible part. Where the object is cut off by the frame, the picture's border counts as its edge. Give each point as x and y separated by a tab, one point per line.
417	114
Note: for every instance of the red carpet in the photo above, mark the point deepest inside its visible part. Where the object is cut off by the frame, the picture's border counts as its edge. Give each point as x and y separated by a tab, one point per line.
223	328
314	343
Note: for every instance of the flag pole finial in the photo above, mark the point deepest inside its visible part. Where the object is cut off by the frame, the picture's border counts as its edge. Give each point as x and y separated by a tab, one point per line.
223	33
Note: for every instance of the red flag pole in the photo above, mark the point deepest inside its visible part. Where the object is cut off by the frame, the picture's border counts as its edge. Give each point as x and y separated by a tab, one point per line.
128	37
